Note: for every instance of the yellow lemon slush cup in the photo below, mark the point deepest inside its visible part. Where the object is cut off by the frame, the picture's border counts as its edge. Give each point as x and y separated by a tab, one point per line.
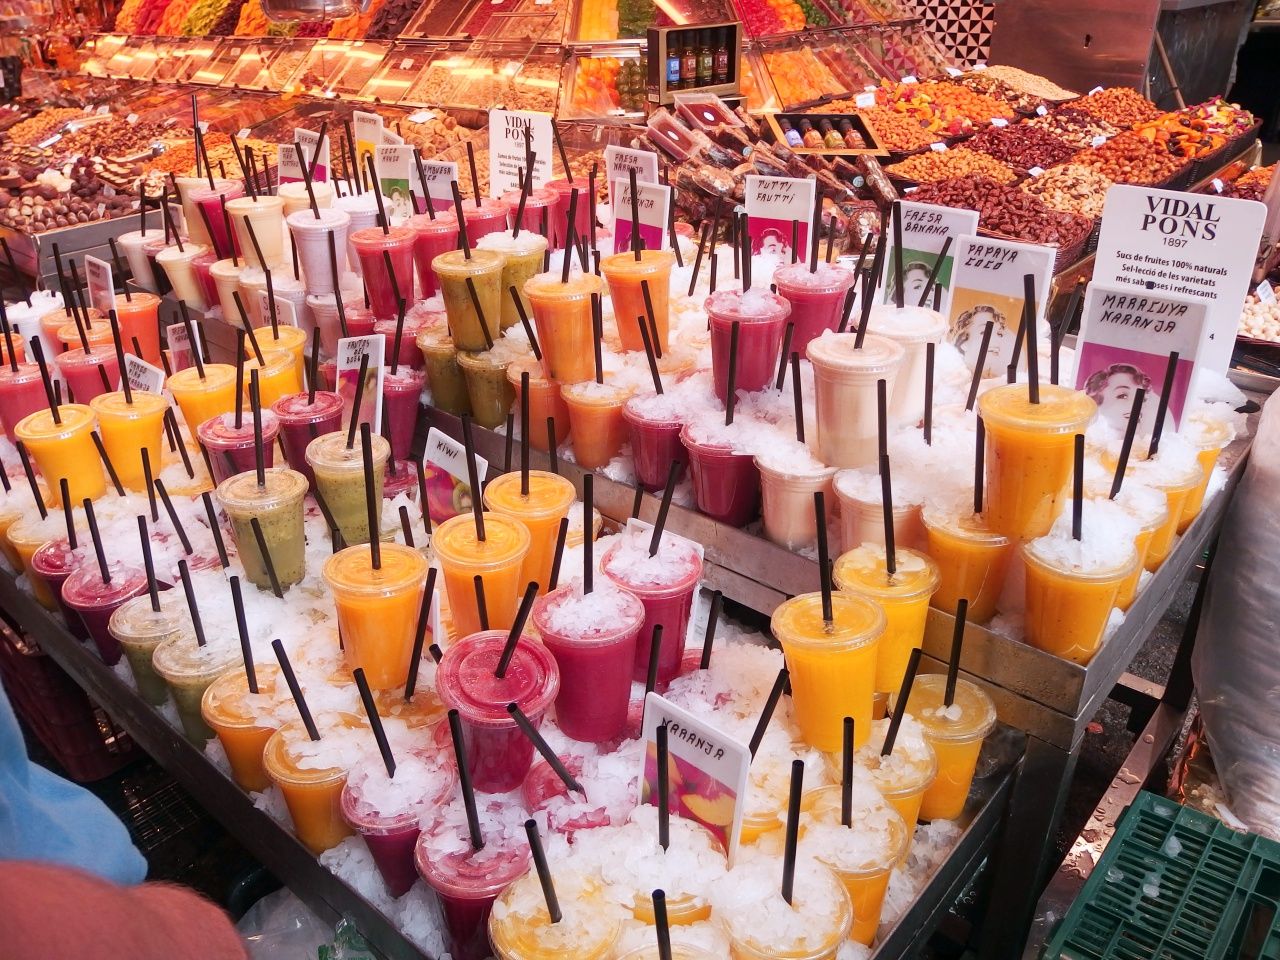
955	732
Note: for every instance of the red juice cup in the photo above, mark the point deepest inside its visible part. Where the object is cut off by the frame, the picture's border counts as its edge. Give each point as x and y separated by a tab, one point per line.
543	786
410	355
94	601
539	200
54	563
560	213
665	584
726	484
401	393
84	372
432	237
21	393
370	245
231	448
498	753
593	638
761	317
817	299
402	481
210	201
360	321
387	811
311	237
654	423
138	318
301	421
489	216
324	309
202	267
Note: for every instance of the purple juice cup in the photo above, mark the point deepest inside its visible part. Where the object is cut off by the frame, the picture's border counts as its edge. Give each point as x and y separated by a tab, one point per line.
54	563
231	448
94	600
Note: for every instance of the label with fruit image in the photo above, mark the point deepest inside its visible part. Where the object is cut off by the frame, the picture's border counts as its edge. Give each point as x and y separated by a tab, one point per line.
706	770
444	470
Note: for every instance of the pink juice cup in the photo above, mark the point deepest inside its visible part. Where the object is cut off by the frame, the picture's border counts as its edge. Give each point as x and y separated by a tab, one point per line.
817	299
324	309
363	210
498	753
94	601
593	638
654	423
90	374
311	237
410	355
540	201
401	392
202	266
432	237
370	245
300	422
543	785
560	213
761	317
21	393
231	448
54	563
726	484
387	811
490	216
202	198
150	249
665	584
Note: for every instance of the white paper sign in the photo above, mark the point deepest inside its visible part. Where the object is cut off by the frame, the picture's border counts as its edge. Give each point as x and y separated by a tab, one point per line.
435	179
143	377
389	139
653	203
351	350
288	169
102	288
181	351
286	311
925	229
507	153
368	128
444	470
1265	292
320	163
773	204
395	166
865	101
1183	245
620	161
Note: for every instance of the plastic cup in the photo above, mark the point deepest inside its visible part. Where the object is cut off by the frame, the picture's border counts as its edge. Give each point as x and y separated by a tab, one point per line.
544	401
812	927
138	319
559	215
597	430
540	202
1067	606
19	349
231	448
65	451
832	666
53	562
956	742
225	275
298	200
520	928
972	561
444	375
362	208
151	248
94	601
522	259
1030	450
498	559
139	630
624	275
409	355
904	775
189	668
761	317
401	393
371	245
913	328
862	513
339	478
311	237
89	374
817	299
787	487
277	506
1210	437
210	200
378	608
726	484
324	310
593	639
562	314
489	394
95	332
129	428
52	322
193	226
653	426
266	214
844	380
278	375
25	535
679	951
131	246
199	400
244	721
484	269
203	267
292	340
665	584
21	393
432	237
483	218
178	266
541	510
1128	591
311	775
301	421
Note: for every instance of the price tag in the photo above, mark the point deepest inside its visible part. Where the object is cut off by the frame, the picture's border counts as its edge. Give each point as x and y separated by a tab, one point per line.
1035	171
422	116
235	53
1095	90
131	119
865	101
242	133
953	72
871	88
999	122
775	205
909	79
204	126
436	181
406	63
1266	293
980	66
938	147
620	161
142	375
180	346
1097	141
1041	110
102	290
103	110
1217	184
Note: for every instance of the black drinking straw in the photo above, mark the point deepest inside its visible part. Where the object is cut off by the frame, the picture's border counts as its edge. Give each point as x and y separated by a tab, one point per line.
597	335
1077	488
31	479
175	441
697	260
1162	408
38	353
242	630
265	552
371	498
482	609
655	539
1055	340
796	399
847	310
793	830
770	704
355	404
148	562
661	924
239	421
420	633
957	642
980	365
464	780
824	558
783	357
588	542
649	317
655	655
561	534
473	477
255	404
930	349
886	495
474	295
868	299
306	179
795	240
124	374
115	258
569	238
709	638
540	744
464	242
375	721
635	214
637	500
197	626
107	464
524	321
815	230
1029	319
231	237
173	516
67	516
517	629
649	357
979	465
539	857
551	445
904	693
524	433
731	388
663	785
352	161
744	237
103	570
8	338
406	526
215	529
846	771
292	680
526	184
1126	445
933	274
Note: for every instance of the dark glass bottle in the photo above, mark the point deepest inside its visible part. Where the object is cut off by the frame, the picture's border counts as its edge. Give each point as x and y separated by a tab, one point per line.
720	69
852	139
689	63
809	136
789	134
830	138
706	59
673	63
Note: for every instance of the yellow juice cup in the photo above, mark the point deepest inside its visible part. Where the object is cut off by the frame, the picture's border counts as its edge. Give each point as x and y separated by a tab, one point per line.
1128	591
266	214
498	560
378	609
972	560
1029	452
278	375
28	534
562	314
65	450
597	430
541	510
679	951
1177	485
956	737
520	928
188	668
1210	437
624	275
293	340
763	926
244	721
200	400
903	596
832	665
15	508
312	791
905	774
129	428
1067	604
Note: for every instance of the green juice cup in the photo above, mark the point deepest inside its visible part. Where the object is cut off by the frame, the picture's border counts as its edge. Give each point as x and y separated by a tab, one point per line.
488	389
523	259
188	668
484	269
277	505
139	630
339	473
444	375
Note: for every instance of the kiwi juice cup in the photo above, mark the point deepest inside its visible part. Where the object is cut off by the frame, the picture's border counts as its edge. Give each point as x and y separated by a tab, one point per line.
832	666
522	259
597	429
956	736
188	668
562	314
311	775
903	596
244	721
484	269
201	399
971	558
624	275
445	378
128	428
545	401
1030	449
1068	604
1210	437
277	506
520	927
339	475
488	392
498	560
540	510
65	451
139	630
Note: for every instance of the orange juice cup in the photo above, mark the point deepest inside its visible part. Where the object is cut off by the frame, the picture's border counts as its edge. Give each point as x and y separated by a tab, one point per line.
597	430
1128	591
904	596
520	928
832	665
956	737
1178	485
541	510
313	791
278	375
562	314
25	536
378	608
763	926
65	451
97	333
1210	437
244	721
293	340
905	774
138	318
862	512
202	399
544	401
129	428
498	560
1068	603
1029	455
624	275
972	560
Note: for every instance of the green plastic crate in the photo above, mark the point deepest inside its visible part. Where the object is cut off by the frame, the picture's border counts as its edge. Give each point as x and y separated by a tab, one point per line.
1175	884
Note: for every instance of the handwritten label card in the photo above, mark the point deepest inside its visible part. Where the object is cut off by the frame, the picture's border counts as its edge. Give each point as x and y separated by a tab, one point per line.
620	161
181	349
143	377
653	203
102	287
507	152
435	181
774	203
351	350
368	128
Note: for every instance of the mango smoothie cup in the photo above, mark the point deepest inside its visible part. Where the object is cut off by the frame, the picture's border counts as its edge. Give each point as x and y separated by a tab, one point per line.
862	854
484	269
266	213
27	534
844	381
624	275
1068	603
956	737
522	258
763	926
277	507
1128	591
679	951
520	928
1210	437
862	511
1029	455
562	314
378	608
972	560
498	560
544	401
138	318
97	332
787	486
297	200
832	667
139	630
540	510
201	399
489	394
16	509
65	451
339	477
597	429
244	721
903	596
129	428
1178	484
278	376
311	775
445	378
188	669
293	340
905	774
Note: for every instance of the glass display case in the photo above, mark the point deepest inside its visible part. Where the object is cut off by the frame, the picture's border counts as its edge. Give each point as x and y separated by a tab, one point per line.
607	82
96	54
513	76
251	70
218	64
364	58
439	19
395	74
431	83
